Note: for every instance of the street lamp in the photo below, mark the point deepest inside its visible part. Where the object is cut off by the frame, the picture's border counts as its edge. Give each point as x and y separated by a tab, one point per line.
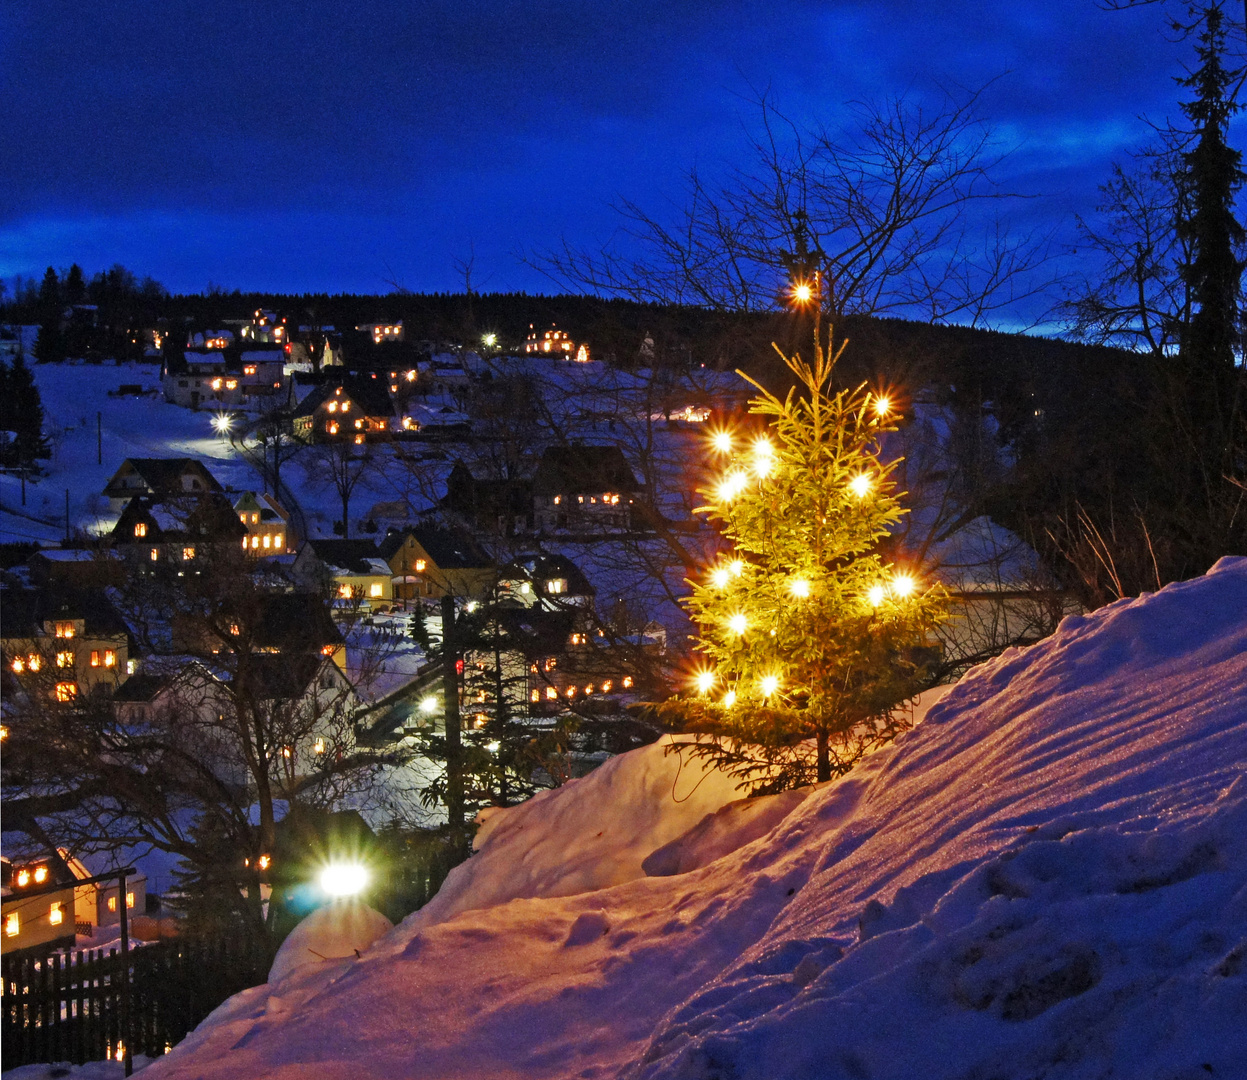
222	422
343	879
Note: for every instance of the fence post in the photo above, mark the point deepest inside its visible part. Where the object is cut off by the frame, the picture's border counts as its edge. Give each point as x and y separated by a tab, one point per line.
125	972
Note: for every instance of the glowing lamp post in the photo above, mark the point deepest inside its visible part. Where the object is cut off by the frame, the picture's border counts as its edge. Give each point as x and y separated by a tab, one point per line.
342	880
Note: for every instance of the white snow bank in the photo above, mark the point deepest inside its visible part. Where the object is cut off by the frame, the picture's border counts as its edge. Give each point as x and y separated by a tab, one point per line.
1046	878
589	834
332	932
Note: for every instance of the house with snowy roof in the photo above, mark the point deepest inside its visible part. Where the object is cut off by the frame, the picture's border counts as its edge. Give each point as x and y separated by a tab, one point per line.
159	478
353	571
486	505
177	531
351	409
584	489
428	562
267	523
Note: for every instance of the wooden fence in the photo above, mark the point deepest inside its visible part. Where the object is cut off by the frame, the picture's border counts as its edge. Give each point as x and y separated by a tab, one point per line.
68	1007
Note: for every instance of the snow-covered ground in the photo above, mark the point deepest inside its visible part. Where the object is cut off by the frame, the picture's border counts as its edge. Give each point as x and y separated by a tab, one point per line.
1046	878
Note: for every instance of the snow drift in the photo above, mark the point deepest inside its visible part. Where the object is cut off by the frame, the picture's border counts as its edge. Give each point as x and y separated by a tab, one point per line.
1047	878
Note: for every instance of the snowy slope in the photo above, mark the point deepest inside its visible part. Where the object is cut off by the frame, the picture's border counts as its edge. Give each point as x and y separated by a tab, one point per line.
1047	878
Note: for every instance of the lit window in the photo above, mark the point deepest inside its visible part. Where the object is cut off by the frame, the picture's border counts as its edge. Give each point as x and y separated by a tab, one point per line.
23	878
589	689
255	542
129	899
249	369
333	406
346	406
216	384
155	555
64	659
234	629
231	384
286	751
19	665
277	540
359	440
374	589
244	543
95	658
326	650
112	903
558	499
41	874
606	686
110	658
66	691
556	585
627	682
56	914
140	529
580	498
268	541
577	639
536	695
332	428
318	746
255	518
34	661
551	693
420	565
12	924
188	553
64	629
242	518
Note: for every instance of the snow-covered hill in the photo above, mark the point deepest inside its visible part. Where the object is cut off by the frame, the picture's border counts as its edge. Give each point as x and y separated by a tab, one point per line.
1047	878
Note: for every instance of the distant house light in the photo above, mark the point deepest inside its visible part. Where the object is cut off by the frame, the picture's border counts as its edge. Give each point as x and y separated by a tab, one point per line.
374	590
140	529
66	691
64	629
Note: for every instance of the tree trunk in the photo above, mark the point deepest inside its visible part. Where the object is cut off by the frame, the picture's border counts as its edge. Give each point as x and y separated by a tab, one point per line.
824	759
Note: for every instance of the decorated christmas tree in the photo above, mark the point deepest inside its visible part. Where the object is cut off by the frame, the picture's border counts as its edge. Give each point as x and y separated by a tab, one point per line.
808	630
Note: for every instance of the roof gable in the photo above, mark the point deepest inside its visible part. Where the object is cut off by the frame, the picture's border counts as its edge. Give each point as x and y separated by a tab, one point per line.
579	468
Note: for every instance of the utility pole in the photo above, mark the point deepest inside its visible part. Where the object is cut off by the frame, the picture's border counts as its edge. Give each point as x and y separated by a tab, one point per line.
125	974
450	710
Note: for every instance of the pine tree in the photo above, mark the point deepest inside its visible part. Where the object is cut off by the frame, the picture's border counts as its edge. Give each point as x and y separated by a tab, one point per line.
50	344
808	630
1214	171
27	413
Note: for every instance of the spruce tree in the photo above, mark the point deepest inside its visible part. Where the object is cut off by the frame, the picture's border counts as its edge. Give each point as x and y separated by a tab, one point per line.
809	631
1214	172
50	344
27	413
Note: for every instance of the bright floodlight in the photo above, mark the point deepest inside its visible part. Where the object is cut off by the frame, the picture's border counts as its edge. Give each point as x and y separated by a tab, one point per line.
429	704
490	340
222	423
343	879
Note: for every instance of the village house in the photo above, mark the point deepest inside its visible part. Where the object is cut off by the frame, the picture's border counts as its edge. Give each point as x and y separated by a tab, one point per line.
495	507
348	409
584	489
158	478
61	643
554	342
32	917
267	523
179	531
428	562
253	380
353	571
380	332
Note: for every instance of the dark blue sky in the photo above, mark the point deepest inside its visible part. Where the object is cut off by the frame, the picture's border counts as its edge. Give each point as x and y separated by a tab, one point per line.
334	145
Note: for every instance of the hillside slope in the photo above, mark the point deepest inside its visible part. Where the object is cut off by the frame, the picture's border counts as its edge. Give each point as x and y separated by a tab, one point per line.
1047	878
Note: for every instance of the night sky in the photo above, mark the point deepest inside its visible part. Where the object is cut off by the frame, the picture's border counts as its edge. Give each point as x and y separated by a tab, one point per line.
349	146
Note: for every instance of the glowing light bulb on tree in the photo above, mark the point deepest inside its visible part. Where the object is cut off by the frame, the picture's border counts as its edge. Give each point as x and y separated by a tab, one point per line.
719	577
860	485
733	485
729	699
903	585
799	588
722	441
875	595
769	685
705	680
738	624
883	406
737	567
